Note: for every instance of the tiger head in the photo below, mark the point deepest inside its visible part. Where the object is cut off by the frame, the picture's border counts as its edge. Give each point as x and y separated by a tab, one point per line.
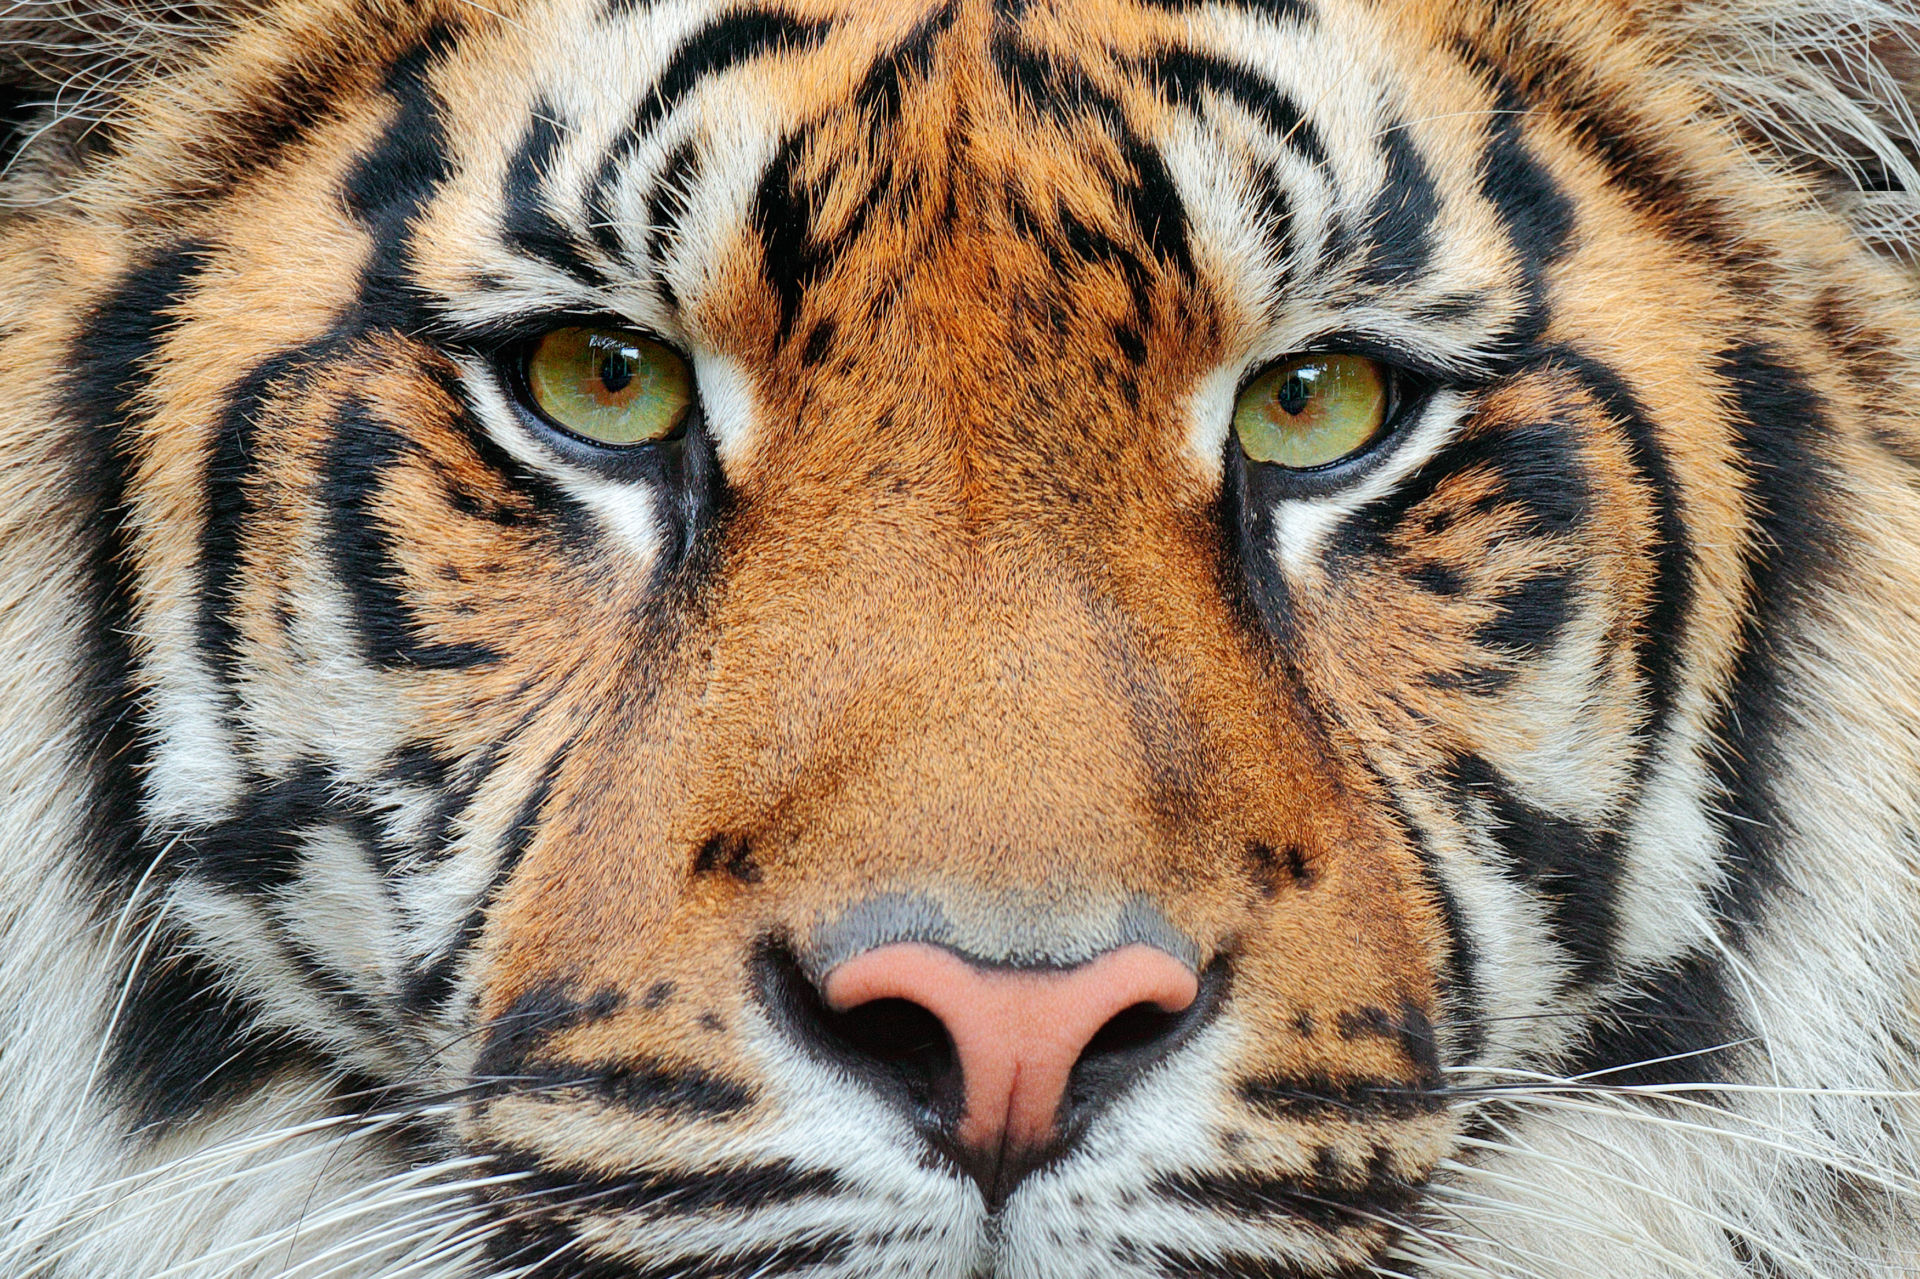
1032	638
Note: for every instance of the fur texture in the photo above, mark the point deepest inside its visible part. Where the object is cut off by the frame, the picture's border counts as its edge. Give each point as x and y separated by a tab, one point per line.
424	834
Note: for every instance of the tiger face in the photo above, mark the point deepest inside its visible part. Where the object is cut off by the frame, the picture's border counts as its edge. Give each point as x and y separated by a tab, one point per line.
1043	639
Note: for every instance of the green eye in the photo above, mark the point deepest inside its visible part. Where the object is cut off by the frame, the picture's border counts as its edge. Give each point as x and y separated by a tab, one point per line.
611	386
1312	410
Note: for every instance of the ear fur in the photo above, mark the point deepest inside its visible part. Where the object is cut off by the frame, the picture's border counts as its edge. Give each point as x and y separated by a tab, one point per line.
1829	86
64	65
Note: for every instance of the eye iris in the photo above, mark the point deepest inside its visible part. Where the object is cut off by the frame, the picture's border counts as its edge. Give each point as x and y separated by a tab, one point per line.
609	386
1312	410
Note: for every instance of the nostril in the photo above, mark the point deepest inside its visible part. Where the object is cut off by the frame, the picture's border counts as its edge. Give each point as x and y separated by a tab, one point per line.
1132	1041
897	1033
895	1044
1129	1030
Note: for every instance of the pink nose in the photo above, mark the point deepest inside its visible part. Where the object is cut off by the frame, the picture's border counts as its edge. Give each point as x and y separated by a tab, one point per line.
1017	1033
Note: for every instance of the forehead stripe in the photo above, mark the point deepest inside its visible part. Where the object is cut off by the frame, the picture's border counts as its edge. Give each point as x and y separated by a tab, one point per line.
712	51
1181	75
526	223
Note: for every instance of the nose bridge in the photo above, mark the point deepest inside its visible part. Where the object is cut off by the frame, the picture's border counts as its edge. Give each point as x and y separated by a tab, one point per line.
898	673
985	726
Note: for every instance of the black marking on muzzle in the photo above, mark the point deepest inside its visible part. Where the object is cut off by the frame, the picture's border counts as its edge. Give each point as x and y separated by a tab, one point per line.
1357	1100
560	1253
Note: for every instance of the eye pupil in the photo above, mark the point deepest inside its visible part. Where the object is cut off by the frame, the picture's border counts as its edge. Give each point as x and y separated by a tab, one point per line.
1294	393
616	371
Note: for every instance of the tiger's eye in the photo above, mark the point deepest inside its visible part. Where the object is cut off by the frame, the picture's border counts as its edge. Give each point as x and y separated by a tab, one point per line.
1312	410
611	386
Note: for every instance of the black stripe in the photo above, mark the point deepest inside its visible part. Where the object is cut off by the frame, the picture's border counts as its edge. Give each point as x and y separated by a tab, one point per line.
665	207
252	131
258	848
1398	225
795	255
1542	478
1679	1024
1460	992
1273	212
713	50
1332	1200
1792	543
1150	201
664	1194
1528	616
1172	1264
1575	868
1873	360
1358	1100
362	451
634	1089
1652	177
548	1009
1662	632
228	506
431	986
1252	580
783	210
1182	75
718	47
527	223
785	207
1537	214
452	783
880	93
777	1259
329	983
185	1042
110	358
393	183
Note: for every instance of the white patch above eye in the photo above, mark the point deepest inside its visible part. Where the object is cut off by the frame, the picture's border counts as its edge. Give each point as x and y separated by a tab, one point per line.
1301	525
626	510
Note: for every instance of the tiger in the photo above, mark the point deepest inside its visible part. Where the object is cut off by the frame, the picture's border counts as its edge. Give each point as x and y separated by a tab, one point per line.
960	639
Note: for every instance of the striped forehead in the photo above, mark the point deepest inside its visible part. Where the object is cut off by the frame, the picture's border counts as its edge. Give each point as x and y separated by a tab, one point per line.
616	158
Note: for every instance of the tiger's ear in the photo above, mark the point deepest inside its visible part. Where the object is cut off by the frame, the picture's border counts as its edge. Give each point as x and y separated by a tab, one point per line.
1831	86
65	64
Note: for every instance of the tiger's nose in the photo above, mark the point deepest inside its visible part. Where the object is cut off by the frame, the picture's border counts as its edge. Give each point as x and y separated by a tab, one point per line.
1018	1034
